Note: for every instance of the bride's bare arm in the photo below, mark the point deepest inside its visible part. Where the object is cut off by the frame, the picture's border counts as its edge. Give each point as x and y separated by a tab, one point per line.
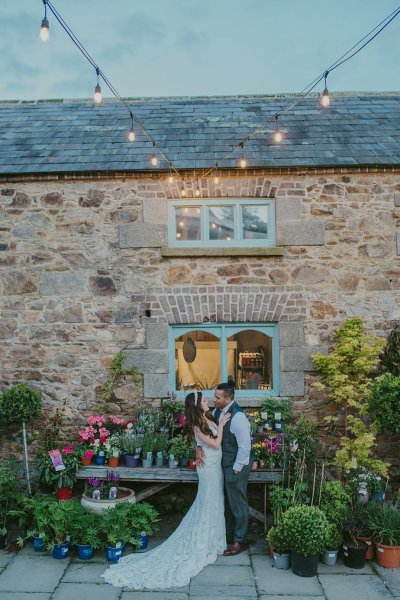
209	441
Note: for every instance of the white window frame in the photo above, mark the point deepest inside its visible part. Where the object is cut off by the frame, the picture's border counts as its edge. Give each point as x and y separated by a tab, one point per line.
237	241
224	331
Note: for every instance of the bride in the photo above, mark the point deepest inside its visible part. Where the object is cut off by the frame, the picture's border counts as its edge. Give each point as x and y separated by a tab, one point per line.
200	536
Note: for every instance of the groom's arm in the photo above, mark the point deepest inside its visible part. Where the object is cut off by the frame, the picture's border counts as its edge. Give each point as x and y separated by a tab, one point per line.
240	427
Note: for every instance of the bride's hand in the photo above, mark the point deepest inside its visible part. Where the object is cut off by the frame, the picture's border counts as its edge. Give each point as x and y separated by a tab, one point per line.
224	419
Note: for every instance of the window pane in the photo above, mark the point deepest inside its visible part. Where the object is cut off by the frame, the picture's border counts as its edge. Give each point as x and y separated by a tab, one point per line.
250	360
255	222
204	372
221	223
187	223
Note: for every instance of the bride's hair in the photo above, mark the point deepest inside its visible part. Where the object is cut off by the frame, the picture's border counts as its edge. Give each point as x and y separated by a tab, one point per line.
195	416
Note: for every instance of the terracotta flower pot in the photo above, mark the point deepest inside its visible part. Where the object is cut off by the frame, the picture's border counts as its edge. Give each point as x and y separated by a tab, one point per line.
387	556
113	462
192	463
64	493
86	460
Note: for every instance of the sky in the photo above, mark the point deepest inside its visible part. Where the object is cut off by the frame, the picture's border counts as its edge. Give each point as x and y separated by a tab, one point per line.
195	47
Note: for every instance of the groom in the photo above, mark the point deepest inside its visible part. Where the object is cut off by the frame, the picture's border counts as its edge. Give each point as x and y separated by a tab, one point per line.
236	464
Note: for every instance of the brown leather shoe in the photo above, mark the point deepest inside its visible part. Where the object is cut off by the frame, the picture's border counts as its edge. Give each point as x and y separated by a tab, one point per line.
235	548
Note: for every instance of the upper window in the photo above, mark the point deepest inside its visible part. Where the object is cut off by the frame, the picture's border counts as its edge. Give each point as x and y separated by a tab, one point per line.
221	223
201	356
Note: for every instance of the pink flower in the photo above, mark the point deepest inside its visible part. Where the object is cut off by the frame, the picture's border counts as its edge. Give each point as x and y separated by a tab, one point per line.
68	449
116	420
104	432
89	453
96	420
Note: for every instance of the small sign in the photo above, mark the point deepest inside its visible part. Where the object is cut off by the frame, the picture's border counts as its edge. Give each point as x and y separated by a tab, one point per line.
57	460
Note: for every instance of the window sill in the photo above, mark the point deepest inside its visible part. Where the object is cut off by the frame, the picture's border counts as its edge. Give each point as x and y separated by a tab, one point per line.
256	251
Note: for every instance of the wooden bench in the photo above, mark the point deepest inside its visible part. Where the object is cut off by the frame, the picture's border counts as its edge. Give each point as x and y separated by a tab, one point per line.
164	477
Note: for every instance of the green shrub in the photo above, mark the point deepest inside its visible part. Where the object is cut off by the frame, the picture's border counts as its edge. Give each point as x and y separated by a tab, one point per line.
278	539
19	403
384	403
335	501
335	537
306	528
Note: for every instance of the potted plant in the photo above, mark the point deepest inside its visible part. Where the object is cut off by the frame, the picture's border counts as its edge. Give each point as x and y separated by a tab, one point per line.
9	495
131	447
179	448
361	516
384	522
115	532
54	521
335	501
20	403
278	410
112	450
280	543
160	448
192	457
333	544
354	550
141	519
102	494
84	531
307	530
174	408
63	477
25	514
147	450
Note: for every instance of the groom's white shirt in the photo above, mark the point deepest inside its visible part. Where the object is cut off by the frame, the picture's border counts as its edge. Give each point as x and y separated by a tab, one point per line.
240	427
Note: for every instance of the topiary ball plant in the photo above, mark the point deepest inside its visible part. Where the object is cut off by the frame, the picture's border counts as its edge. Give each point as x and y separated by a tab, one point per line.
306	528
19	403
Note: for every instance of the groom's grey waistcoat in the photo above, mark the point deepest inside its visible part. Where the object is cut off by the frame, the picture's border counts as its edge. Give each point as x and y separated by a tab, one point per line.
229	444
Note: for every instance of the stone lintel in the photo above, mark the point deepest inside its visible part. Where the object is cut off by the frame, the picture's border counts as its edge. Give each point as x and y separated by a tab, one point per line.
218	252
287	208
291	333
292	383
156	336
301	233
141	235
298	358
147	361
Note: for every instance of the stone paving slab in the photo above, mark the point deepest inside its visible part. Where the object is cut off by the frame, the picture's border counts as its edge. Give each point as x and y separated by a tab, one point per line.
5	559
223	575
341	569
85	591
203	592
154	596
31	574
232	561
25	596
260	547
391	578
274	597
84	573
353	587
276	581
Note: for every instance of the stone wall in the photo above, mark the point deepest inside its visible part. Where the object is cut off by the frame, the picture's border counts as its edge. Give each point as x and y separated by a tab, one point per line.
84	274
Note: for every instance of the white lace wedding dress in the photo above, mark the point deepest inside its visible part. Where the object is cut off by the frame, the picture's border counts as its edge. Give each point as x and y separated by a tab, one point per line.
196	543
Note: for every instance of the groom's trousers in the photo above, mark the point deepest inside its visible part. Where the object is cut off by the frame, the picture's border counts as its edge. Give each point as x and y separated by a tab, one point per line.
236	504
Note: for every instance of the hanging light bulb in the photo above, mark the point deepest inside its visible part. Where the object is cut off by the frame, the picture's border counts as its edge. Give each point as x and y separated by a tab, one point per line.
170	176
325	98
197	190
131	135
44	28
97	98
278	135
216	177
154	159
242	160
183	193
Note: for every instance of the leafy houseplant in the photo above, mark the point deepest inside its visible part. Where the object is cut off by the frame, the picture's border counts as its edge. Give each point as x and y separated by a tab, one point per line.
384	403
179	447
115	531
276	536
346	371
333	543
272	405
84	531
54	521
335	501
20	403
384	523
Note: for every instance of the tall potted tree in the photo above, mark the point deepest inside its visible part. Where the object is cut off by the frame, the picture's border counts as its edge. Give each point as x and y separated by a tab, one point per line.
20	404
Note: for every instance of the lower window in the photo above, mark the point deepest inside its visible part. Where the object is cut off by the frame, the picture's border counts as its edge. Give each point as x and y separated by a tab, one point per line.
202	356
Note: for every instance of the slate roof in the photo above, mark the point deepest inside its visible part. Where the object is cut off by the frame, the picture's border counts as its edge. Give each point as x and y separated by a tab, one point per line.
76	136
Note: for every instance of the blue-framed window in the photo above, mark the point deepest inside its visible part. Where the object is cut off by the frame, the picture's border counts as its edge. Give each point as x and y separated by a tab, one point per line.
221	223
201	356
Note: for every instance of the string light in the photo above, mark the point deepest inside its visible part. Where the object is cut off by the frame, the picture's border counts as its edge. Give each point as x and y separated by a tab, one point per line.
278	135
97	98
154	159
183	193
171	178
216	176
325	98
197	190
